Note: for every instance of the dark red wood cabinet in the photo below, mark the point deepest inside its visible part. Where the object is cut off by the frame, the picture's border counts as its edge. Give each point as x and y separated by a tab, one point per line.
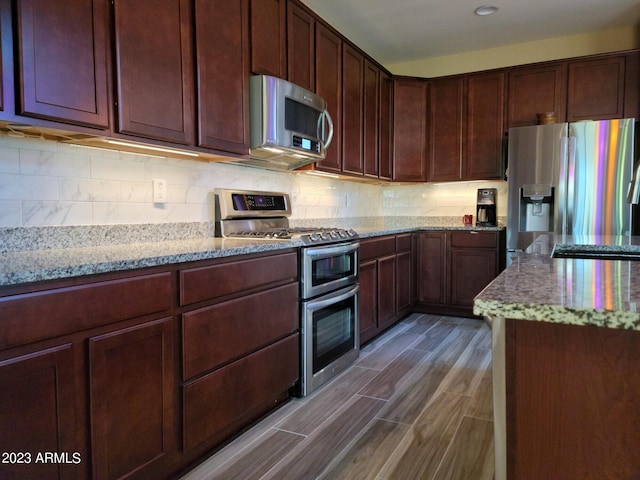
62	48
222	66
452	267
410	100
385	134
352	110
372	118
300	47
154	72
329	86
269	37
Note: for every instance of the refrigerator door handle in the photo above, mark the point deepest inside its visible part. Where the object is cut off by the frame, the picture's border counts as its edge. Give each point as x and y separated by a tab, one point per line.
568	183
561	194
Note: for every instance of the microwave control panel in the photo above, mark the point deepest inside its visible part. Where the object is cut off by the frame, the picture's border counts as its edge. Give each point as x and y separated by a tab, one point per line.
306	144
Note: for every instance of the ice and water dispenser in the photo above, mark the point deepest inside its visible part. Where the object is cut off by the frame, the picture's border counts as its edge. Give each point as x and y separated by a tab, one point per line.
536	208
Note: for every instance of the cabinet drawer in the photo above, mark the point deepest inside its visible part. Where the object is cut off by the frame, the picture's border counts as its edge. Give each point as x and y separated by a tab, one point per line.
37	316
474	239
220	333
403	242
226	278
377	247
231	394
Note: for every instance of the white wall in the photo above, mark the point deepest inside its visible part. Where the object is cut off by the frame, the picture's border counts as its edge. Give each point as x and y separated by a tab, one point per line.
44	183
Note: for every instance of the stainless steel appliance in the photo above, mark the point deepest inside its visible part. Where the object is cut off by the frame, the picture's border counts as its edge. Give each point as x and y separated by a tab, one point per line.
572	179
328	278
486	207
289	125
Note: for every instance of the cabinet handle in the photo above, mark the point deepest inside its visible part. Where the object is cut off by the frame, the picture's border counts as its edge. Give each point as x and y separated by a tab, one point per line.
473	232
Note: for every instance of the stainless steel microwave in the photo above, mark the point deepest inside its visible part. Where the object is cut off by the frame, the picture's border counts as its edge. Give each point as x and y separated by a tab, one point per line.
290	126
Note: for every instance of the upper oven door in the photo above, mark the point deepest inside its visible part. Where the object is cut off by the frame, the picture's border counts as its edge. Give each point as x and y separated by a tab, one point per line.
328	268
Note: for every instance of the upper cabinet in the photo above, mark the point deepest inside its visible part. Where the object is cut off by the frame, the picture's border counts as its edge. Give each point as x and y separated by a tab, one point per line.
410	129
483	155
603	88
300	47
466	124
223	93
155	70
62	50
269	37
372	114
385	134
536	89
329	86
352	110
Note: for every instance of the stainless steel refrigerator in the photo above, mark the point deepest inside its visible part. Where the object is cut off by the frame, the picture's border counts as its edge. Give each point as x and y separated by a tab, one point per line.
573	179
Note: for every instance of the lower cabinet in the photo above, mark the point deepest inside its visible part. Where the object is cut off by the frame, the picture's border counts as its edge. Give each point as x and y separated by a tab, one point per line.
452	267
385	283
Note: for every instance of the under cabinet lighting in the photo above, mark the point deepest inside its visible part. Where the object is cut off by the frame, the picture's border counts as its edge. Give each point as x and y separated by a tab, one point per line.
318	173
149	147
485	10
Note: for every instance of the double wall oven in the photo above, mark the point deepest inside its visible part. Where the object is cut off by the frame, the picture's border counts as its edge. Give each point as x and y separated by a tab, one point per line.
328	278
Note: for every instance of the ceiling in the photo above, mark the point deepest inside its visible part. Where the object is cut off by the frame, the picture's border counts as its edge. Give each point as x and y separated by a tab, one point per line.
396	31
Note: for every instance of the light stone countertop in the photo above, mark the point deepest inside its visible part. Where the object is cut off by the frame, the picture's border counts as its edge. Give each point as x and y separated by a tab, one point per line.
603	293
33	254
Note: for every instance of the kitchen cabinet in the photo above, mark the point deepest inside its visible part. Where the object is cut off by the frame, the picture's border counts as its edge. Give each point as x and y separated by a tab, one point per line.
240	345
329	86
536	89
410	97
372	120
269	37
62	57
300	47
405	292
222	39
132	388
352	110
452	267
571	401
152	66
446	118
603	88
385	133
38	402
380	279
483	149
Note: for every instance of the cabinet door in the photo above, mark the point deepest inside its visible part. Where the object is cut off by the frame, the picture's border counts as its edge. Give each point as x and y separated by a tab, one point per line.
37	413
329	86
445	129
471	271
485	127
154	69
368	300
534	90
352	110
410	130
432	271
269	37
404	283
300	48
63	60
132	391
386	126
222	53
386	291
371	116
596	89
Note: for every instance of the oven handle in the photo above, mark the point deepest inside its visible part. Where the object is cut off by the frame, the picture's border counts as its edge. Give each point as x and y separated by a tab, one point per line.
332	250
330	299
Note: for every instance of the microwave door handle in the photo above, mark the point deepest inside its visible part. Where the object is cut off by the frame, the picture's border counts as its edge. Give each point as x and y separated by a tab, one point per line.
326	115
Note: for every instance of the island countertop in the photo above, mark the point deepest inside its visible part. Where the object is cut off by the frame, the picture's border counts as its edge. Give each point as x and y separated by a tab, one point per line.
574	291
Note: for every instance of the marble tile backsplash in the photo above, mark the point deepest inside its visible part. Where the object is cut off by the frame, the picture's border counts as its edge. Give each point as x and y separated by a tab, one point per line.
44	183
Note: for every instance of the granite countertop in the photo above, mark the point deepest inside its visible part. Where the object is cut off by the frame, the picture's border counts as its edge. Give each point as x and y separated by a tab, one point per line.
33	254
575	291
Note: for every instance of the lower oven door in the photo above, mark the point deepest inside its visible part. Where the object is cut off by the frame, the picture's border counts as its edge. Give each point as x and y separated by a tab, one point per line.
330	338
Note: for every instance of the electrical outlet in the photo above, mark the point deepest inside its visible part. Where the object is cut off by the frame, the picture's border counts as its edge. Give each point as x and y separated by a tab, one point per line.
159	190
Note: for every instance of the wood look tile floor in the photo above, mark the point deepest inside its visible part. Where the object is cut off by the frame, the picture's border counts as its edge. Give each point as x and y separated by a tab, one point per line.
416	405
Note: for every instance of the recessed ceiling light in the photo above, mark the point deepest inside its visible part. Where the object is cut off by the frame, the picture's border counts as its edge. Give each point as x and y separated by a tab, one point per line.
486	10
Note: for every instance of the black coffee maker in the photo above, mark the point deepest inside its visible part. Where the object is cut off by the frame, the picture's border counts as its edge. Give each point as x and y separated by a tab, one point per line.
486	207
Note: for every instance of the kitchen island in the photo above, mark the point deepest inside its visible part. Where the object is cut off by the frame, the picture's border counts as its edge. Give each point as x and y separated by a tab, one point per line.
566	334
